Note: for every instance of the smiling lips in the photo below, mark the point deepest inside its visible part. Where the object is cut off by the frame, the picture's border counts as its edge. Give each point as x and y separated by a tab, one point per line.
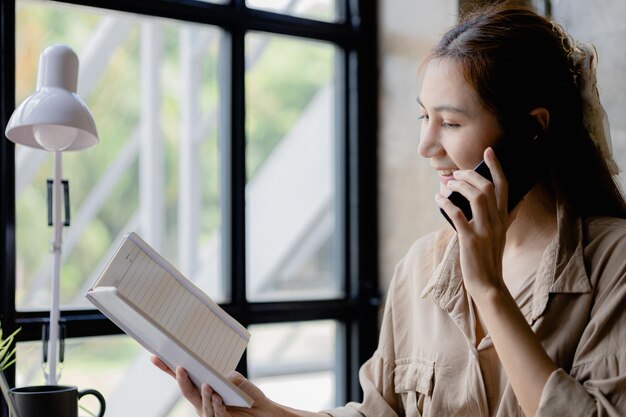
445	175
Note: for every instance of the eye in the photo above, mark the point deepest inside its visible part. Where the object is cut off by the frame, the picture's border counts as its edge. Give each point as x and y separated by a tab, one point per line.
449	125
422	117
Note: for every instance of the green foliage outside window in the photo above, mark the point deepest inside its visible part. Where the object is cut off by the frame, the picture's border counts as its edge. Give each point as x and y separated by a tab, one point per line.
278	88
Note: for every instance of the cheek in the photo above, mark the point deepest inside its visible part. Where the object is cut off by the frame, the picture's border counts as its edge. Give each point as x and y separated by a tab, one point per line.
461	153
471	160
468	151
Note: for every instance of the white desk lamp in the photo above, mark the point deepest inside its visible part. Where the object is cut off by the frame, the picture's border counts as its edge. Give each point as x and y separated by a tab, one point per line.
54	118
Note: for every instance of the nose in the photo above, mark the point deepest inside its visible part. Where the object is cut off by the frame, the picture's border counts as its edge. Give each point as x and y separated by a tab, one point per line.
429	143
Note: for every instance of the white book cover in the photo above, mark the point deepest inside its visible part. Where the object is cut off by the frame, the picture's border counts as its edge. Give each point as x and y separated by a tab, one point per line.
151	301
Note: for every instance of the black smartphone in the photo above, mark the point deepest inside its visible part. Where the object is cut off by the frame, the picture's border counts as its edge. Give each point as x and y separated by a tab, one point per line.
523	154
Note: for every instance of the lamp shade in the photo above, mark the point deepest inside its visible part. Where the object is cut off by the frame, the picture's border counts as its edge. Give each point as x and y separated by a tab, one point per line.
54	117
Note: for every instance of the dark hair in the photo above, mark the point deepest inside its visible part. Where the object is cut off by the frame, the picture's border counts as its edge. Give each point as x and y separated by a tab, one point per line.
517	61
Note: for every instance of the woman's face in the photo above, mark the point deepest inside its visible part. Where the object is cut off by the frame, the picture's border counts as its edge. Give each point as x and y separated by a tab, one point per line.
456	128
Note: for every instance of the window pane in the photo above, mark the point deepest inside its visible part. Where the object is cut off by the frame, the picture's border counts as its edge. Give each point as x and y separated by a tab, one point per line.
311	9
152	87
116	366
289	361
290	194
91	362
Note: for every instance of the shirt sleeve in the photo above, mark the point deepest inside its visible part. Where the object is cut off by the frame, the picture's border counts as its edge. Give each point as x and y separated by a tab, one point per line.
376	376
564	395
596	383
379	398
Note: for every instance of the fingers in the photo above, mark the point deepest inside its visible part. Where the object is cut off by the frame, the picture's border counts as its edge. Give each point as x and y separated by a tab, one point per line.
245	385
218	406
499	180
188	389
479	192
212	404
156	361
207	401
236	378
487	199
454	213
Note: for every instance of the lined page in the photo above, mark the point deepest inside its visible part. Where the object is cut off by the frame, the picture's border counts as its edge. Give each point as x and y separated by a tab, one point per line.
160	295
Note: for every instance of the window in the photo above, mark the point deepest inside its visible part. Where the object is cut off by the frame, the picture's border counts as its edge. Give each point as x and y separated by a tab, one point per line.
239	140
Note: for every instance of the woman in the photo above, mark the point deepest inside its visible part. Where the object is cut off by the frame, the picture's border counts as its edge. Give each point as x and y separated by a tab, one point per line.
516	313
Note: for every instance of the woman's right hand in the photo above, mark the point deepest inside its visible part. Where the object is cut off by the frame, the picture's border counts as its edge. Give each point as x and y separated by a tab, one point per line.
209	404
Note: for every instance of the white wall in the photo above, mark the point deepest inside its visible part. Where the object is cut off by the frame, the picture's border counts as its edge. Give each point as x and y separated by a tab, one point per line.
602	24
407	184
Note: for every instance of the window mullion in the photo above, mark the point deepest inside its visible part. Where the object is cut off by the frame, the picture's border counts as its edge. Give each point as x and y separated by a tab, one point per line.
7	184
361	116
233	175
237	169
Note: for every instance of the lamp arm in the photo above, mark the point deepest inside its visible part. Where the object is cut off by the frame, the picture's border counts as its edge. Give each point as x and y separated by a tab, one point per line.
57	241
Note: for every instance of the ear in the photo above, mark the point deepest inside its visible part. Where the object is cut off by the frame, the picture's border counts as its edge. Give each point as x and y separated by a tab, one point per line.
542	115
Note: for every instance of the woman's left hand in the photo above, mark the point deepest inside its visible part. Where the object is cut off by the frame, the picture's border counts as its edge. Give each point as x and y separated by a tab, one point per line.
209	404
481	240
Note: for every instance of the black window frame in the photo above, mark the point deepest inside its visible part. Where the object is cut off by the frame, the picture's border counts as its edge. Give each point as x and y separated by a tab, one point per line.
355	34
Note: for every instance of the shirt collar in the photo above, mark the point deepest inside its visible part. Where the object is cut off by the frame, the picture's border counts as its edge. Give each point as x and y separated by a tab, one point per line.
561	269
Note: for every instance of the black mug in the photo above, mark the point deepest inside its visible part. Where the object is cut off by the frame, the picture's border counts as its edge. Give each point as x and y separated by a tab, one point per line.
51	400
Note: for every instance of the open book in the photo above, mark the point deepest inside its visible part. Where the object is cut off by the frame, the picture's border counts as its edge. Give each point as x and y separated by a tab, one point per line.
156	305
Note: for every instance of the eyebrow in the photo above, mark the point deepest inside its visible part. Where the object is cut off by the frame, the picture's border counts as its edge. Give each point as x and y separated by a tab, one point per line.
445	107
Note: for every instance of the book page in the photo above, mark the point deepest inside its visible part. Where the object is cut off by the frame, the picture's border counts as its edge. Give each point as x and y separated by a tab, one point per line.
156	291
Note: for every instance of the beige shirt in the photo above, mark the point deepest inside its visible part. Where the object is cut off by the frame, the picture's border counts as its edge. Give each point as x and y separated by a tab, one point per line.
429	364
